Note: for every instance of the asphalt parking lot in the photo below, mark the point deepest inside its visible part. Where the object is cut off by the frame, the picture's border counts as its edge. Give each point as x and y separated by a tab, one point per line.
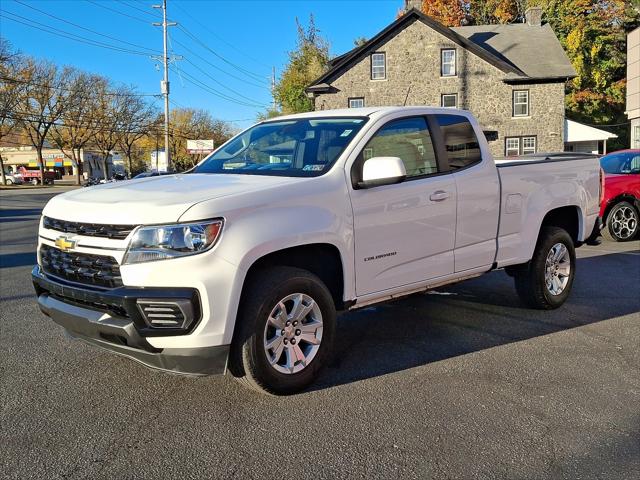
460	383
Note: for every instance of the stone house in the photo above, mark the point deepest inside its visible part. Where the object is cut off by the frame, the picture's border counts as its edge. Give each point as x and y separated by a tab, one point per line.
511	77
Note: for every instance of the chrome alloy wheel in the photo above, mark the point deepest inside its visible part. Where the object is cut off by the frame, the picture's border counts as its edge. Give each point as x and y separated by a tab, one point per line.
293	333
624	222
557	269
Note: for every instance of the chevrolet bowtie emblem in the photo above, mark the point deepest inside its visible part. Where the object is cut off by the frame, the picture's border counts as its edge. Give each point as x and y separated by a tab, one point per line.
64	244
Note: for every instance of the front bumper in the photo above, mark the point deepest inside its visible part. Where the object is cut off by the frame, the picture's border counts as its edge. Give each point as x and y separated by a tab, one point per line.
107	319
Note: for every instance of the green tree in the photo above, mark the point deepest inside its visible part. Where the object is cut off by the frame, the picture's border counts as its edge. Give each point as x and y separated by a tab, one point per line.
306	63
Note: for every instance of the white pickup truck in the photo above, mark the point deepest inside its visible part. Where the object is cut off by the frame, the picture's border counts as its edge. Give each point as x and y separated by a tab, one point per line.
241	264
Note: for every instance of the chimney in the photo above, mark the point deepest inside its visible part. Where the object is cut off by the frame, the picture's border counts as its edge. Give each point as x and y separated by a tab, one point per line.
409	4
533	16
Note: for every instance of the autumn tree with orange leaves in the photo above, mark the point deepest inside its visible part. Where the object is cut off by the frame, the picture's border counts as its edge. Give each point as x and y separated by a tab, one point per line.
448	12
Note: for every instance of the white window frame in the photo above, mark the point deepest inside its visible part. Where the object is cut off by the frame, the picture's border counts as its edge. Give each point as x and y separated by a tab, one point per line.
378	72
356	99
514	103
449	63
507	149
526	150
636	137
454	95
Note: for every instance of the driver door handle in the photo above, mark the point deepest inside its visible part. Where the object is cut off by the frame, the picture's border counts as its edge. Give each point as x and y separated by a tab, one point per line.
439	196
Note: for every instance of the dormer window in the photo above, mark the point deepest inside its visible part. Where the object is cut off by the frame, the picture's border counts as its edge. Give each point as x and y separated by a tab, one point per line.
378	66
448	62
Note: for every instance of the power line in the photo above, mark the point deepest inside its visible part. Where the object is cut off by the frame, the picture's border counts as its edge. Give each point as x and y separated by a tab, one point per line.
217	93
216	66
177	5
149	129
84	28
57	87
62	33
255	102
97	4
256	76
147	12
241	95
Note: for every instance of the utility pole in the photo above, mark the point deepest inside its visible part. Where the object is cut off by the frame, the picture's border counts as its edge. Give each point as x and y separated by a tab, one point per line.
164	84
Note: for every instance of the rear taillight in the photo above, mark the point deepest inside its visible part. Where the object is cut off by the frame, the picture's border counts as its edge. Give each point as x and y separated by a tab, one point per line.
601	186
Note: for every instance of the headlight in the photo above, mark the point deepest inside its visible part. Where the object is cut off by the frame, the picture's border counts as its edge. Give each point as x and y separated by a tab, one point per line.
170	241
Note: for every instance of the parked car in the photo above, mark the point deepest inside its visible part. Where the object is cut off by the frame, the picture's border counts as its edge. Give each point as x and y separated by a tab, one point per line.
620	208
241	264
13	179
152	173
33	176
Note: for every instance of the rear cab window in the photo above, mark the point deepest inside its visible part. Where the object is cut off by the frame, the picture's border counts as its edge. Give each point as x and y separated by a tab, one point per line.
460	141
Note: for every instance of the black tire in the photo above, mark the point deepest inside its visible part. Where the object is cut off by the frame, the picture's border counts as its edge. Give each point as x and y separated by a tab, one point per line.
248	359
530	279
9	181
622	222
35	182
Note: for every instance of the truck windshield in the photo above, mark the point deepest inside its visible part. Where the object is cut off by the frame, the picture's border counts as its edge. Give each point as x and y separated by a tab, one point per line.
289	148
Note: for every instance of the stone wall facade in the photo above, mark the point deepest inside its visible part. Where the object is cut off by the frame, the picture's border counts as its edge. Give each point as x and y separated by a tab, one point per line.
413	73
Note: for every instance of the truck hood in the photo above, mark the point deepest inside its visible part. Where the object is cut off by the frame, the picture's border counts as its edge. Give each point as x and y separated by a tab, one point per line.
152	200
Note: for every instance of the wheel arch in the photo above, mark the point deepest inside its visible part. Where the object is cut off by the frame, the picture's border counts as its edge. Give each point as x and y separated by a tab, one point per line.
568	218
322	259
622	197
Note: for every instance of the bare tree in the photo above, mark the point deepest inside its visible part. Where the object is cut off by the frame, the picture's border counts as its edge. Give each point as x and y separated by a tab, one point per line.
11	91
112	110
189	123
138	118
80	123
44	102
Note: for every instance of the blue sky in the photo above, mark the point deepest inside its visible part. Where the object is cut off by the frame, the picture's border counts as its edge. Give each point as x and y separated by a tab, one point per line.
229	46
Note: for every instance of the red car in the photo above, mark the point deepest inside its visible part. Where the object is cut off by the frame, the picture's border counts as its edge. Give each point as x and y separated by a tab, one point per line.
620	207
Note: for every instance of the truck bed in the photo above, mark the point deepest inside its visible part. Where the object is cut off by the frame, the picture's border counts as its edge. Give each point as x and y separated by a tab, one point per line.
532	185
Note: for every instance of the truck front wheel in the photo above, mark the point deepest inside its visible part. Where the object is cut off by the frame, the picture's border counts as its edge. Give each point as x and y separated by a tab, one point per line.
545	282
35	181
285	331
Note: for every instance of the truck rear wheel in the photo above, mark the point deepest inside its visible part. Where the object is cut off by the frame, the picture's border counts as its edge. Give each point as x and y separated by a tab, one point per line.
285	331
545	282
35	181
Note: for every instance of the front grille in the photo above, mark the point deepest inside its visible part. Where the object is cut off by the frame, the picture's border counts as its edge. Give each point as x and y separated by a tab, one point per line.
114	308
119	232
96	270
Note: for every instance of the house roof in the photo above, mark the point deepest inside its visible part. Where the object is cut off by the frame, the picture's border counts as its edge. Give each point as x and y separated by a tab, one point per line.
495	52
578	132
534	50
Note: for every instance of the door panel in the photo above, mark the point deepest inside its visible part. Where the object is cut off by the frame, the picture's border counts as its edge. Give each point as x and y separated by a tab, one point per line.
404	233
478	189
402	236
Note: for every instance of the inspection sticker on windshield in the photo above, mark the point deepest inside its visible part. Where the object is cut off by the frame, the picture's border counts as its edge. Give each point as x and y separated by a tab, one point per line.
346	133
313	168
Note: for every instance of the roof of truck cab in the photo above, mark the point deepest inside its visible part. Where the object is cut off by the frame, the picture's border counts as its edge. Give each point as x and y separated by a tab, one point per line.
365	112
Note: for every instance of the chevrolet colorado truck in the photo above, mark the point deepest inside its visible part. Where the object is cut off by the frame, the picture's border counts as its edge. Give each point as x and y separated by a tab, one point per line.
241	264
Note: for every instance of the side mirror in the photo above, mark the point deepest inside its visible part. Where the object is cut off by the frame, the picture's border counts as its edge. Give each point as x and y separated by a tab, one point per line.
378	171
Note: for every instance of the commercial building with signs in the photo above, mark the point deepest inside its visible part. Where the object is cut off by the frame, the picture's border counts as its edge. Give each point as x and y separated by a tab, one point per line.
91	164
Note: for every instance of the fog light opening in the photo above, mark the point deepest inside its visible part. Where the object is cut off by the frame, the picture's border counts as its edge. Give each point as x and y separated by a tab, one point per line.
166	314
